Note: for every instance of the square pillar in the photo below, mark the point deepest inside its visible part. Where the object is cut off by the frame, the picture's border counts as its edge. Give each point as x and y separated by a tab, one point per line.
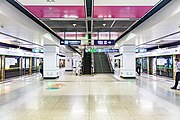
51	62
69	62
127	61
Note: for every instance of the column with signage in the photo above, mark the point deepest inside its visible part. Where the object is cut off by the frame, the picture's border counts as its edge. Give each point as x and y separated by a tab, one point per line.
69	62
127	58
51	62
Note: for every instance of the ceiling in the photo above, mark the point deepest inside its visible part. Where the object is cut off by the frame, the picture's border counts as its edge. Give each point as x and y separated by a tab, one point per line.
67	25
104	19
161	30
99	19
14	30
73	20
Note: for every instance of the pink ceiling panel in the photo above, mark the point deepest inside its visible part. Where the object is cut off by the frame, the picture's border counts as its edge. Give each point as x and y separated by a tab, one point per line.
120	11
57	11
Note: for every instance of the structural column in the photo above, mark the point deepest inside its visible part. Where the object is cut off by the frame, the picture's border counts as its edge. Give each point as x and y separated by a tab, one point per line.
69	62
51	61
2	69
174	67
127	61
30	65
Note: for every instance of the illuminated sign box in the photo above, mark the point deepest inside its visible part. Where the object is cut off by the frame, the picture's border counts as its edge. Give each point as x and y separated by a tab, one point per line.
104	42
70	42
37	50
102	50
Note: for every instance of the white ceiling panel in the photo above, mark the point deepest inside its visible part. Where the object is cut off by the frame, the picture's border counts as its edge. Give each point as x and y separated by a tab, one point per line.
57	2
125	2
163	23
16	24
13	28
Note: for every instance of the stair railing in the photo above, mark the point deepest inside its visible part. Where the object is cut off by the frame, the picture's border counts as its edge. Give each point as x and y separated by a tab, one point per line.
109	60
92	64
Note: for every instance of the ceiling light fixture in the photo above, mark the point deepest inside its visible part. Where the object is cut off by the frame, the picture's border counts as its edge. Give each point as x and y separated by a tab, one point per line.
104	25
113	23
109	16
74	25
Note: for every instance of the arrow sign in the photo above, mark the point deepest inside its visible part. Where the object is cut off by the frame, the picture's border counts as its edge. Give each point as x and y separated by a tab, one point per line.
104	42
70	42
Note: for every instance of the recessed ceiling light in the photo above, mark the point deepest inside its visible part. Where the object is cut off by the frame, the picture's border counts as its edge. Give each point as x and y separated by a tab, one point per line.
104	25
74	25
109	16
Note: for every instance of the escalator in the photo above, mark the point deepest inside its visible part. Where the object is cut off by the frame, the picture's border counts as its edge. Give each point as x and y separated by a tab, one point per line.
101	63
86	63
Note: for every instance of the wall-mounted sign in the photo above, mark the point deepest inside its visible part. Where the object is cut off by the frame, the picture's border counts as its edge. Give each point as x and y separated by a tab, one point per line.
70	42
37	50
141	50
159	52
17	52
104	42
93	50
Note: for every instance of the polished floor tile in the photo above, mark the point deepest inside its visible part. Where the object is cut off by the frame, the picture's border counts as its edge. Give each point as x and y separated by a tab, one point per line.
102	96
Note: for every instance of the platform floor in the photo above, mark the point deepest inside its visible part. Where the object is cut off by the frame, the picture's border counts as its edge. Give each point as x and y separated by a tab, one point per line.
99	97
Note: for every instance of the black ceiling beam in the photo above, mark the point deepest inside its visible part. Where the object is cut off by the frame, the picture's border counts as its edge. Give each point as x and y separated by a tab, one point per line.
154	10
89	4
89	12
35	19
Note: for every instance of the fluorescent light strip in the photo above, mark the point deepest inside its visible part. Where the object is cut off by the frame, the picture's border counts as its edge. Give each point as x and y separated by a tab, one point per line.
113	23
58	19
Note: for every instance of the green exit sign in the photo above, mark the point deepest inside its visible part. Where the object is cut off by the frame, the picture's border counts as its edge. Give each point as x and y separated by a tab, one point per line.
93	50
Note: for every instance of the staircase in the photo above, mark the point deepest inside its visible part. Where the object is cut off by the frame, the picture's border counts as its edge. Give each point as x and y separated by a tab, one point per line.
101	63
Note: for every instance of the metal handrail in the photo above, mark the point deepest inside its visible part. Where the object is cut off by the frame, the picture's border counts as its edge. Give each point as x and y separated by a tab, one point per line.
109	60
92	64
100	60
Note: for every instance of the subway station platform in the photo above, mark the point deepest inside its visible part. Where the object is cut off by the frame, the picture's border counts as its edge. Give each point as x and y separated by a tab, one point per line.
101	96
103	40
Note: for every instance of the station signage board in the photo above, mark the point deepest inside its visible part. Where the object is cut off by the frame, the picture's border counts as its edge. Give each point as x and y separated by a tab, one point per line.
141	50
104	42
93	50
37	50
70	42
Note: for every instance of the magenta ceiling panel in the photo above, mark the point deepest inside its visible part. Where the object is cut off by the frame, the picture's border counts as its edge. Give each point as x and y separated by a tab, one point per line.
120	11
57	11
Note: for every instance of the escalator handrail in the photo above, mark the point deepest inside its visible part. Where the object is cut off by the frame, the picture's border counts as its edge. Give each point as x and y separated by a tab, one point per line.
92	64
109	61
